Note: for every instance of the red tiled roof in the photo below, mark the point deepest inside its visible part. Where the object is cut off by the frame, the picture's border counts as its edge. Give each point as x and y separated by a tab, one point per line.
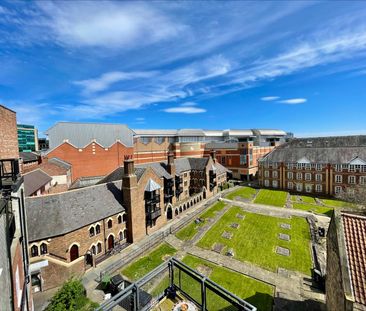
355	238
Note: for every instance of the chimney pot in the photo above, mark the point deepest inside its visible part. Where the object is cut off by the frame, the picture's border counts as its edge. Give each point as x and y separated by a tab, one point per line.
129	167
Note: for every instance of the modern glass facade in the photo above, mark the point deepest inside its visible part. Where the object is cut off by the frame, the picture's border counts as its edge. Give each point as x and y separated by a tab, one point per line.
27	138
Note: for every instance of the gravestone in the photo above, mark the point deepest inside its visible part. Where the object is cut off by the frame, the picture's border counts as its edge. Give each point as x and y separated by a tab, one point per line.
282	251
283	236
234	225
285	226
218	247
227	235
240	216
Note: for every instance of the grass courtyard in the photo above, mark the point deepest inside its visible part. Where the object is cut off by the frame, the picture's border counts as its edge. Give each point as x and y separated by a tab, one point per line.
328	211
145	264
257	237
244	192
271	197
189	231
255	292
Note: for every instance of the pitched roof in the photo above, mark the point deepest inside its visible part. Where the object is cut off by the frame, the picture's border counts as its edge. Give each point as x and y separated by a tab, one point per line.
117	174
152	186
28	156
60	163
81	134
34	181
57	214
334	150
355	239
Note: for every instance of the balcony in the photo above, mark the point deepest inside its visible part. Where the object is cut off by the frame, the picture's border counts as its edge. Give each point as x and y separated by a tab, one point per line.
10	179
178	180
153	215
212	174
168	183
178	191
6	211
149	200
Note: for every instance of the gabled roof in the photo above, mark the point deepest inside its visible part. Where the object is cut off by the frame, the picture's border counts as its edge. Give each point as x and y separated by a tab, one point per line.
82	134
57	214
28	156
303	160
357	161
117	175
35	180
151	186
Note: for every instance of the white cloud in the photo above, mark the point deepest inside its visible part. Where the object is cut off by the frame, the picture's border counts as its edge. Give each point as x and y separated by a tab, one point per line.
293	101
269	98
108	24
182	109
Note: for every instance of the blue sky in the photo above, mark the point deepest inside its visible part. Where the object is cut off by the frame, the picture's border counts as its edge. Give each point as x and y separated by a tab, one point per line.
297	66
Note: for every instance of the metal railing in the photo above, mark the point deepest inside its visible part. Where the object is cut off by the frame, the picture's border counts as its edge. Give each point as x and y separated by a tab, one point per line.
189	284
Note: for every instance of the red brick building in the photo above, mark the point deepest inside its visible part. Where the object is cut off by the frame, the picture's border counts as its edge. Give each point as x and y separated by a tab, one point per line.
123	208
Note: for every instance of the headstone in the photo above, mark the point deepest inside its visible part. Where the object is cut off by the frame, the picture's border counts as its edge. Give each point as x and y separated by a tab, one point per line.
234	225
240	216
282	251
285	226
227	235
218	247
283	236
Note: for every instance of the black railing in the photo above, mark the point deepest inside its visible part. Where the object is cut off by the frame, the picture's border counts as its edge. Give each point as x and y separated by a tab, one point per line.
153	215
152	200
178	191
9	173
168	183
178	180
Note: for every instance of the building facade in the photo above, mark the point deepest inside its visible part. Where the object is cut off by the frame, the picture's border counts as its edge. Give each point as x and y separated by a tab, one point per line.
14	266
124	207
324	165
95	150
27	138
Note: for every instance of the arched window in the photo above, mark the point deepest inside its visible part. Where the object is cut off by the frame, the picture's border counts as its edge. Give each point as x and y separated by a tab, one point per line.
74	252
121	235
91	232
109	223
97	229
99	248
125	234
124	218
43	249
34	251
93	250
119	218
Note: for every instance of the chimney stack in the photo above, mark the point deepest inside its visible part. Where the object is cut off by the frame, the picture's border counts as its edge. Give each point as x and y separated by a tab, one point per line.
213	155
170	158
171	165
128	167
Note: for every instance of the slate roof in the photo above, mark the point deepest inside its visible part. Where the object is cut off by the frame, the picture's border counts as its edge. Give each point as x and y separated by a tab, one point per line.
355	239
198	163
34	181
152	186
28	157
118	173
334	150
60	163
57	214
82	134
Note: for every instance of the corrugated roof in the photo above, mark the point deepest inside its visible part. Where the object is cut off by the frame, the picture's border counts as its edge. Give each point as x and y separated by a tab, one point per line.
35	180
57	214
269	132
82	134
355	239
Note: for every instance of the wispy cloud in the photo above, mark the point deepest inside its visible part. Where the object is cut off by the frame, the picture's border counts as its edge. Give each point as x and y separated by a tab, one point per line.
185	109
269	98
293	101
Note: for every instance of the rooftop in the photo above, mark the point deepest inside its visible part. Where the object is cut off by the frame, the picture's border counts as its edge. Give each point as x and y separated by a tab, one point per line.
35	180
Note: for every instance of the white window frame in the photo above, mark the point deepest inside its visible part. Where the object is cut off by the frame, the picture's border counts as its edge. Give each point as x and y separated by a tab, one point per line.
338	167
352	168
308	188
274	174
307	176
318	177
318	188
338	179
299	176
266	174
274	183
319	167
266	183
290	185
362	180
299	187
337	189
352	179
290	175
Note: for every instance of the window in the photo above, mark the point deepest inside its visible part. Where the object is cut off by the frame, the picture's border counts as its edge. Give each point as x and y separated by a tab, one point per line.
307	176
34	251
274	165
351	168
299	187
223	160
338	179
91	232
351	179
109	223
307	166
319	167
338	167
274	174
243	159
159	140
145	140
93	250
298	176
274	184
266	183
119	219
337	189
318	177
43	249
318	188
97	229
362	180
99	248
266	174
121	235
290	175
308	188
74	252
124	217
290	185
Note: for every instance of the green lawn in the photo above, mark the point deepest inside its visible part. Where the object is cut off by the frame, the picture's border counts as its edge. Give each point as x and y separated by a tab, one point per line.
336	203
257	237
271	197
255	292
245	192
189	231
148	262
314	208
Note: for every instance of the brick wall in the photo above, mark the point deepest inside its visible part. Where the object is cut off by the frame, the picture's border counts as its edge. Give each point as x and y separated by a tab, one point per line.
9	136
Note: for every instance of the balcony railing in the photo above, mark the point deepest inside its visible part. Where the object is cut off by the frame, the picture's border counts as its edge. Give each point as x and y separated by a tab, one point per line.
178	191
9	174
6	211
212	174
153	200
153	215
178	180
168	183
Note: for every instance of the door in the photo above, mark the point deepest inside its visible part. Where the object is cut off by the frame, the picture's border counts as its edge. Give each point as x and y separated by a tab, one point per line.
110	242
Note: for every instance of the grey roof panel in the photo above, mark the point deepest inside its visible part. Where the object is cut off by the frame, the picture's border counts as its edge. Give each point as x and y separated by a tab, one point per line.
60	163
82	134
58	214
34	181
28	156
152	186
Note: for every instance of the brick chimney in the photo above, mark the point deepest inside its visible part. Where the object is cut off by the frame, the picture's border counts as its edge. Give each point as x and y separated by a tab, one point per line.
213	155
128	166
171	165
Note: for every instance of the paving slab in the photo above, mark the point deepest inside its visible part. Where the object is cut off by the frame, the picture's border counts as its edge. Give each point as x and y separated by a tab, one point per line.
218	247
240	216
282	251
